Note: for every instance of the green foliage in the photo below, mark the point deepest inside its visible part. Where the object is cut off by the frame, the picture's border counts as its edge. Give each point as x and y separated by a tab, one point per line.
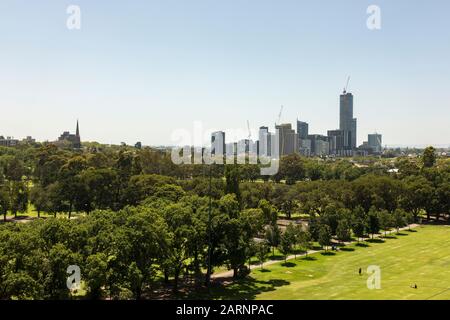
325	236
141	222
429	157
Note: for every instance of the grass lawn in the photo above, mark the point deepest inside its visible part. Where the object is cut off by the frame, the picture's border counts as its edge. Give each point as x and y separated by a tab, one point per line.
421	257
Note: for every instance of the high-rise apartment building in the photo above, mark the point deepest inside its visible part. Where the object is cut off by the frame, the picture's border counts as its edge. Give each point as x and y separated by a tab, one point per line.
288	139
375	142
302	129
264	142
320	145
347	123
218	143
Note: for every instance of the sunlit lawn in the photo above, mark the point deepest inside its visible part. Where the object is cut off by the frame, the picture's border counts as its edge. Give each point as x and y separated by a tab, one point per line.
421	257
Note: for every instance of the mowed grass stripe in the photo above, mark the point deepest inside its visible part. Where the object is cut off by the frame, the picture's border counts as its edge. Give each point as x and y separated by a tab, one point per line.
421	258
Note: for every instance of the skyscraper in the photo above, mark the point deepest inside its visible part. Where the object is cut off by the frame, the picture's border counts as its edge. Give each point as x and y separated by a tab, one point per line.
218	143
375	142
288	139
264	143
302	129
304	144
347	123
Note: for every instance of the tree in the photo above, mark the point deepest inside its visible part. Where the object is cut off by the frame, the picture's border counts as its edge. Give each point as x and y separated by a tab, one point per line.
359	222
285	246
343	231
95	273
272	237
292	168
178	218
146	241
429	157
399	219
4	202
385	221
18	197
232	178
373	222
416	195
100	184
289	237
38	197
55	270
262	251
303	238
269	212
410	219
325	236
283	197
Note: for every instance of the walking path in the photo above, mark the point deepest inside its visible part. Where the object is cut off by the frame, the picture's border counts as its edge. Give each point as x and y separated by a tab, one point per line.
229	273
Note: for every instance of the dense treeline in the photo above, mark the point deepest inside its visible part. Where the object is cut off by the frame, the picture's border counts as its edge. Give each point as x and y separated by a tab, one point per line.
138	223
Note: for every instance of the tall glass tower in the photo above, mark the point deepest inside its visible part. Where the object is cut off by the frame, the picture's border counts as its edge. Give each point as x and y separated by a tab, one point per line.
346	121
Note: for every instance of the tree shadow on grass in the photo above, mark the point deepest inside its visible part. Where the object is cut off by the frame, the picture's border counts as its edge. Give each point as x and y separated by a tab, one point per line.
411	230
362	245
347	249
390	237
328	253
401	234
375	240
288	264
309	258
264	270
247	288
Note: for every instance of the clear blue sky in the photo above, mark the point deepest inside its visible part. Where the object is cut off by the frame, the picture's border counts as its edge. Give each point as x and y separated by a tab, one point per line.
137	70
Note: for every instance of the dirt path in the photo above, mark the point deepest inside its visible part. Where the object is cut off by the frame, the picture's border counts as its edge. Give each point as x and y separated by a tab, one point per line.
229	273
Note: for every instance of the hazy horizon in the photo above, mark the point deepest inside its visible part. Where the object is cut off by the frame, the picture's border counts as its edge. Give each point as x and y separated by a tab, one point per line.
138	71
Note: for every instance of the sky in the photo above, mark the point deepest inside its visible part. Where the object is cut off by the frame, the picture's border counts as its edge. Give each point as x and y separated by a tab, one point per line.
142	70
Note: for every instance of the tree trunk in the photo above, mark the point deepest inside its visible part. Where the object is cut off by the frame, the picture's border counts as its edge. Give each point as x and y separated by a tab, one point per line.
39	213
235	272
175	283
166	276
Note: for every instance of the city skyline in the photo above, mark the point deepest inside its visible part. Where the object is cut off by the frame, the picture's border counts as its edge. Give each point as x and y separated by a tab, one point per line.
167	65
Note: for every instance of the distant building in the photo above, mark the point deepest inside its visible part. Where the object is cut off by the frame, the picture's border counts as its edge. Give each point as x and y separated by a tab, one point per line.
320	145
8	142
375	142
304	144
264	142
218	143
302	129
29	140
347	123
73	139
288	139
304	147
336	139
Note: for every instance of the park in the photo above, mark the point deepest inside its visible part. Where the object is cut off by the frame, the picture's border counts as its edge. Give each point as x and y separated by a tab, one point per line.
418	256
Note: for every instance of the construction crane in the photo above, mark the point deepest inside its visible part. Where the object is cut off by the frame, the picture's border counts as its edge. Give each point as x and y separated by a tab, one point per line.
282	140
279	115
346	86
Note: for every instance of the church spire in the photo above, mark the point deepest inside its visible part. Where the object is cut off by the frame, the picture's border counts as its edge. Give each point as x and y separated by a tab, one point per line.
78	130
